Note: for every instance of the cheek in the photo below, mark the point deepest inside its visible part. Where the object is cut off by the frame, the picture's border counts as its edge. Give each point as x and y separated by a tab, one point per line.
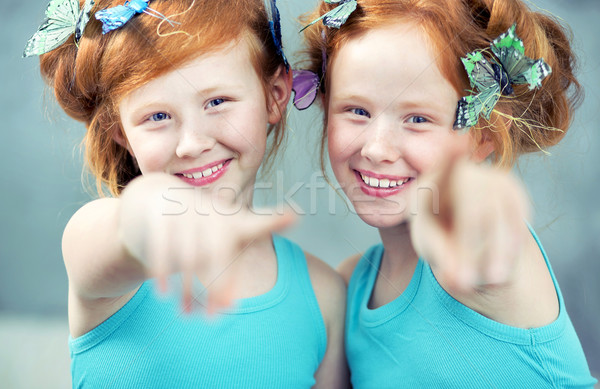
339	143
247	134
335	149
151	153
428	152
421	155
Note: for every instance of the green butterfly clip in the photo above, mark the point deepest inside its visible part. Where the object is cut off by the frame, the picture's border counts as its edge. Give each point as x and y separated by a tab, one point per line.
63	19
496	78
337	16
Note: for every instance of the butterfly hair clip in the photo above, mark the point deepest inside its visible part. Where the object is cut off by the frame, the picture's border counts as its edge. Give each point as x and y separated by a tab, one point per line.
63	19
306	83
116	17
496	78
275	27
337	16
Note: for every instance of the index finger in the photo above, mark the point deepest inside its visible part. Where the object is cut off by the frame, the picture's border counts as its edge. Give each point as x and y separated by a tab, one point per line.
256	225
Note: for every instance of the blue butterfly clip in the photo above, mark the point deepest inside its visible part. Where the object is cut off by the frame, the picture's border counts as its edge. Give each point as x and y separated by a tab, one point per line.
116	17
275	27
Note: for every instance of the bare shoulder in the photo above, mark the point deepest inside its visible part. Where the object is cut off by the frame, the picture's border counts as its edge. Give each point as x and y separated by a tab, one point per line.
83	226
327	283
91	251
102	275
85	238
86	216
346	267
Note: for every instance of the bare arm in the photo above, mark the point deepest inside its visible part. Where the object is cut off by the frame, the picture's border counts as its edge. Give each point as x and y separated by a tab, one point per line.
480	249
110	246
103	243
331	295
98	265
346	267
103	274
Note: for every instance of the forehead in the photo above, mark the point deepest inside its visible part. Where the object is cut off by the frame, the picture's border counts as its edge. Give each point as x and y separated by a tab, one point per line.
234	58
228	66
393	60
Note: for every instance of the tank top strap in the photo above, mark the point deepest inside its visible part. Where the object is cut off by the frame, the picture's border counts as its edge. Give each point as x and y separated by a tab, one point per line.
554	281
292	265
366	269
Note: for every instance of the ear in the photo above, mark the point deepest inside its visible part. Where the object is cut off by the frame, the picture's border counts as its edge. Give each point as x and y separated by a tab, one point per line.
122	141
280	89
484	145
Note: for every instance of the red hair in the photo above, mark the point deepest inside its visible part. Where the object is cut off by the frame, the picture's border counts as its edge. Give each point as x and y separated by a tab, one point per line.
89	81
457	27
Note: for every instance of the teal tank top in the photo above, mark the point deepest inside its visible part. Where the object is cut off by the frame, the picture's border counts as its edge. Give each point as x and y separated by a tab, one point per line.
274	340
427	339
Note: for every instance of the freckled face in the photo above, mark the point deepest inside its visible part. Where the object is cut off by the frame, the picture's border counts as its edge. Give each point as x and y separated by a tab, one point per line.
205	122
390	119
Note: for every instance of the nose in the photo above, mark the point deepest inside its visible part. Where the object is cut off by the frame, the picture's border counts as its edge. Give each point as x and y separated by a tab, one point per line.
381	143
193	141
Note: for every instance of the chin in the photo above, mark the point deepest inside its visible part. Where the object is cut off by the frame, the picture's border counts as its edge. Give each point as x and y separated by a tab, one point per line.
382	219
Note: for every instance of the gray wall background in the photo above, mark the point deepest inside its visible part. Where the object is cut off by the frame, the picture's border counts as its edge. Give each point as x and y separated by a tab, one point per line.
40	172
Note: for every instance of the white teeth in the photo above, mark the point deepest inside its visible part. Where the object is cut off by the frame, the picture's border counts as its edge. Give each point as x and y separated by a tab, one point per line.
382	183
206	173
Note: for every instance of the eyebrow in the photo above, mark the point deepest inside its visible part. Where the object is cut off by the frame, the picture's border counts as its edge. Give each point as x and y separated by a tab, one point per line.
138	112
202	93
421	102
213	89
352	97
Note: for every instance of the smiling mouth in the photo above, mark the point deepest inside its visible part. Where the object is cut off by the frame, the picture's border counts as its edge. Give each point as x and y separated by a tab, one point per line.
382	183
205	173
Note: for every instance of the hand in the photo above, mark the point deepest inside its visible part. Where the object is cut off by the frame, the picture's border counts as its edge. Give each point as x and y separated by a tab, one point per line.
473	233
171	227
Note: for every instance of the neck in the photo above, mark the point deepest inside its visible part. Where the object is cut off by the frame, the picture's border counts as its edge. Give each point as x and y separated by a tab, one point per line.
398	249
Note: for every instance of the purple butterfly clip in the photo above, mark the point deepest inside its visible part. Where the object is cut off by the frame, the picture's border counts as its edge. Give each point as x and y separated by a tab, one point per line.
305	87
306	84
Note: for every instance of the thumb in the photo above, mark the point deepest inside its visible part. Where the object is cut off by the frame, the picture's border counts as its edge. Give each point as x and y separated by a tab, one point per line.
260	224
444	179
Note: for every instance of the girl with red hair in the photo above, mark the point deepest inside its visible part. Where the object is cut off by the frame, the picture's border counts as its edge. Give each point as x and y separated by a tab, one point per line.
460	293
179	99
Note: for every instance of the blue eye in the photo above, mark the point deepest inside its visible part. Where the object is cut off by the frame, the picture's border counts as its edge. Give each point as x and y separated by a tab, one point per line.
360	112
215	102
417	119
159	116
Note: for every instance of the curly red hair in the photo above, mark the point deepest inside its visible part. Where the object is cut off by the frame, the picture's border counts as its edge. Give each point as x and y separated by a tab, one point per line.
457	27
89	81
